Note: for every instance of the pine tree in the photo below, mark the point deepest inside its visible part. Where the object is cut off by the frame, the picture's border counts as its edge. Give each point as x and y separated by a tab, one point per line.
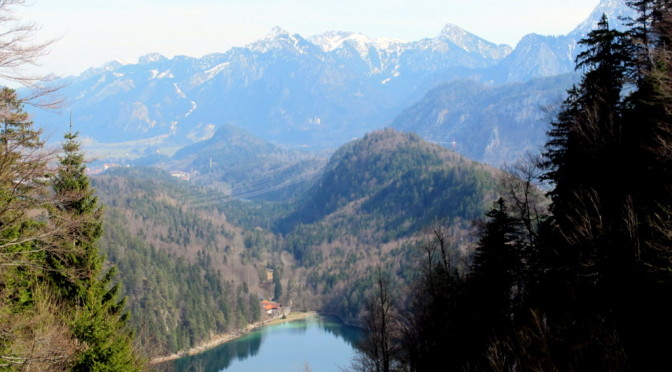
100	321
585	145
80	216
497	268
494	287
586	153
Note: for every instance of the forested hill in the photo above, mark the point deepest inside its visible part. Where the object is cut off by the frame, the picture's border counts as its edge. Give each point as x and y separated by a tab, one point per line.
379	194
392	184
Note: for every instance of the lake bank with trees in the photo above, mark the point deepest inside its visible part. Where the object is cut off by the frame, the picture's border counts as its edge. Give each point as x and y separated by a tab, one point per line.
222	338
311	342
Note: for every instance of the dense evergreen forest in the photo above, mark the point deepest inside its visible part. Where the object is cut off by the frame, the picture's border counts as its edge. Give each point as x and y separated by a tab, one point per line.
580	285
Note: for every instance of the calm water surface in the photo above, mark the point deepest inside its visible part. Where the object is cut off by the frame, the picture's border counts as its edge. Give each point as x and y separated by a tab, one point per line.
323	343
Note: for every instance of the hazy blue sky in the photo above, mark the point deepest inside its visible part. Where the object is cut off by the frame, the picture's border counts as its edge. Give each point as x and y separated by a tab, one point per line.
93	32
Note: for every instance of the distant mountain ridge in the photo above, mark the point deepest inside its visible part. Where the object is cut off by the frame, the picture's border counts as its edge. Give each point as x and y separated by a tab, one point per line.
312	92
282	88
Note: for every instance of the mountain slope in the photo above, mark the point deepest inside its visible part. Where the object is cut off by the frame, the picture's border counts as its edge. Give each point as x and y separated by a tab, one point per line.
380	194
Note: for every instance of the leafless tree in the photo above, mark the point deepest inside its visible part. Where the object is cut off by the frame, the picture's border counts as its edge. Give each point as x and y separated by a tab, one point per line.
20	48
40	339
378	350
520	184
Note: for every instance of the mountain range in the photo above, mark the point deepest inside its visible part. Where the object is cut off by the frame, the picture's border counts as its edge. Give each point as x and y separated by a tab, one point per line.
316	92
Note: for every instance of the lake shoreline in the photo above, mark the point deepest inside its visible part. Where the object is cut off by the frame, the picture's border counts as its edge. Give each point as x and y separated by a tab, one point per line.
223	338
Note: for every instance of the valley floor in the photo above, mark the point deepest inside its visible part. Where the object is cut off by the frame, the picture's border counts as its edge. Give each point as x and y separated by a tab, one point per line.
229	336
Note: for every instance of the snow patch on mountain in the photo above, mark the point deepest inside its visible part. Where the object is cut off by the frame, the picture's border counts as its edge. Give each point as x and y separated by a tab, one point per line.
179	91
193	108
161	75
209	74
217	69
332	40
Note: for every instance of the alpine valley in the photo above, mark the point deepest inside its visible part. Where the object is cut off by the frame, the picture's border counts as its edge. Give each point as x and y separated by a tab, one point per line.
316	159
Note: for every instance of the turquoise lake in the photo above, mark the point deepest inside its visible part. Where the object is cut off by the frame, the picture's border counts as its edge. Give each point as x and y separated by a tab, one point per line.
322	343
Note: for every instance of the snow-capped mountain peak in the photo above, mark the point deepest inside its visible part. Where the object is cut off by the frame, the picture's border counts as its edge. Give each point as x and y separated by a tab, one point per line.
278	39
453	32
109	66
151	58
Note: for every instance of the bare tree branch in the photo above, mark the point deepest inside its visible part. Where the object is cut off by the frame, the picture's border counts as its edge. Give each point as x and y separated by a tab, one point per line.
20	48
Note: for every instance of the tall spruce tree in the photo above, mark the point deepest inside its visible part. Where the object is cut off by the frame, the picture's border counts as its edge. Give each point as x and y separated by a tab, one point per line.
23	165
497	270
100	321
80	216
21	189
586	152
585	143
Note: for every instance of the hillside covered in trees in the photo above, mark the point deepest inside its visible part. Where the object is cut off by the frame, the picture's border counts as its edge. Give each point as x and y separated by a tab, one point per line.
584	284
